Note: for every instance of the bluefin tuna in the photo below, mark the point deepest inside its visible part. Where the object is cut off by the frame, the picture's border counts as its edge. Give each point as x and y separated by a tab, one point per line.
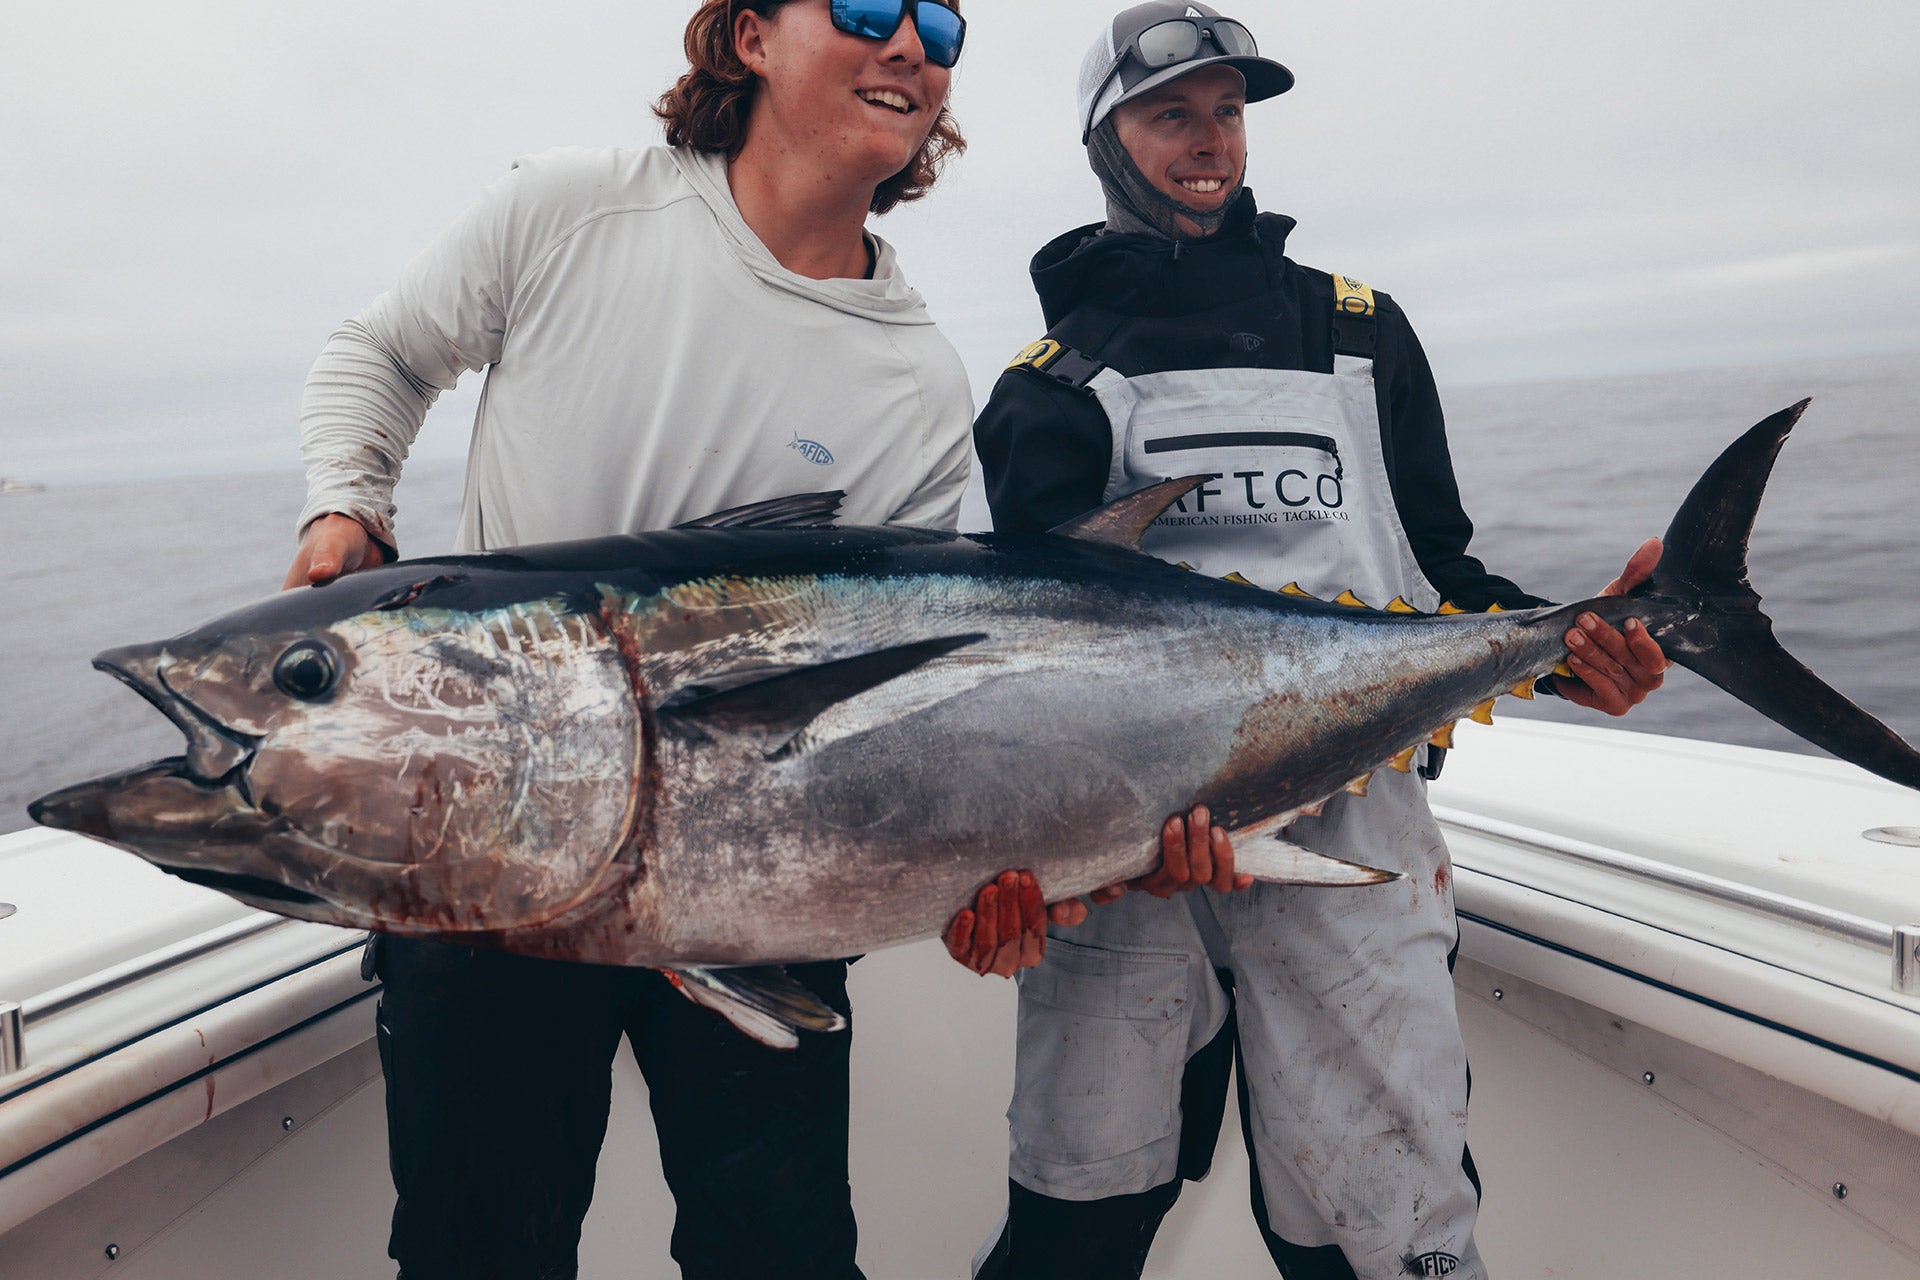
763	739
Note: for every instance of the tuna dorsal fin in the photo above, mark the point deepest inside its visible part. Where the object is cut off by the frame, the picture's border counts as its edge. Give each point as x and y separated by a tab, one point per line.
763	1002
795	511
1121	522
774	709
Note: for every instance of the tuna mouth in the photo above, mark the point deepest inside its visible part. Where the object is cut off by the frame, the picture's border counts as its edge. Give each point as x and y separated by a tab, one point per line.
215	752
158	806
161	813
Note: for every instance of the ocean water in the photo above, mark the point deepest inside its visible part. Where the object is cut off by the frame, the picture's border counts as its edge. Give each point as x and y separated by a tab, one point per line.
1562	479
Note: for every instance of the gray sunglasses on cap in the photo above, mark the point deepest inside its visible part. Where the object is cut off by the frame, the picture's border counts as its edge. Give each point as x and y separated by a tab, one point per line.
1177	40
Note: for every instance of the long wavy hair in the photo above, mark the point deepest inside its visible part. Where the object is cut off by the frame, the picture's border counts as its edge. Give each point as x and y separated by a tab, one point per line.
708	105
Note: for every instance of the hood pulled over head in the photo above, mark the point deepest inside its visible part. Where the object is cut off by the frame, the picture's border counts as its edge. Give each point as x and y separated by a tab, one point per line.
1136	206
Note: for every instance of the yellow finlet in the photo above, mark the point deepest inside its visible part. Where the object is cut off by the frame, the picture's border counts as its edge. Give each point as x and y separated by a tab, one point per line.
1313	810
1182	564
1240	578
1402	761
1563	670
1358	787
1351	600
1449	607
1523	690
1495	608
1482	714
1293	589
1397	605
1443	736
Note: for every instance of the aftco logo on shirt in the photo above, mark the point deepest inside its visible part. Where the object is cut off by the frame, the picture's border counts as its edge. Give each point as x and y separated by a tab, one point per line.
813	451
1432	1264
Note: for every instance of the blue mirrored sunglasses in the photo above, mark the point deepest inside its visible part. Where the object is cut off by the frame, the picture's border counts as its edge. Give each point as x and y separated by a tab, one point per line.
942	31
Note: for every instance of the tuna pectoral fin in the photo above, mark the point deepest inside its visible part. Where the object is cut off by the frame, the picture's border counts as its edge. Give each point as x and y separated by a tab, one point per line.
764	1002
1280	862
1708	619
774	710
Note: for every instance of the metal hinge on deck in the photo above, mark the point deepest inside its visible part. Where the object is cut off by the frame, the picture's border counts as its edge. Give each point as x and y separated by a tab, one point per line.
1906	959
13	1038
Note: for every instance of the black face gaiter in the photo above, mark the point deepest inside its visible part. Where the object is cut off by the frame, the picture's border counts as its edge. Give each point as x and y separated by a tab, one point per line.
1135	204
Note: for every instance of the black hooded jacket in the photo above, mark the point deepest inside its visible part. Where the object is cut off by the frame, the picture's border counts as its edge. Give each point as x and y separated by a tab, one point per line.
1140	304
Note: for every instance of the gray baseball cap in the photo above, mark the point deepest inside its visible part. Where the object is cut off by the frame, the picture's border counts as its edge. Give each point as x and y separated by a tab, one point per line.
1150	44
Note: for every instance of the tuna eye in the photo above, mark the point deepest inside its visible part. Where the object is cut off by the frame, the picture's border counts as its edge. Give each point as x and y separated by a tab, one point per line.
306	671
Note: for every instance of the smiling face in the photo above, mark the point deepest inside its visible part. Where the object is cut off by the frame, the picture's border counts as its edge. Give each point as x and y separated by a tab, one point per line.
859	108
1188	138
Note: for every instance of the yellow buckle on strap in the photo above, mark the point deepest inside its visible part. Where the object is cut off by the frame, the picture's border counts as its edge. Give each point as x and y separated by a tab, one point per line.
1036	355
1351	297
1051	358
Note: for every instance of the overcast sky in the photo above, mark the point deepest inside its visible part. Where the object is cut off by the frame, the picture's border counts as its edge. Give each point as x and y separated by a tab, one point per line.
199	191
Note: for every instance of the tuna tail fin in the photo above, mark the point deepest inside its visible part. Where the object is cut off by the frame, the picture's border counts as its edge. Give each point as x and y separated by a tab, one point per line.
1711	619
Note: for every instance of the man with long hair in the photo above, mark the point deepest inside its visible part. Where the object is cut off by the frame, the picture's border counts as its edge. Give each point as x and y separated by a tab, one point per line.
667	332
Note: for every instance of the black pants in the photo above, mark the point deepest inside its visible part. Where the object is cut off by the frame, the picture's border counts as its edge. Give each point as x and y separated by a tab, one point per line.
1051	1239
498	1073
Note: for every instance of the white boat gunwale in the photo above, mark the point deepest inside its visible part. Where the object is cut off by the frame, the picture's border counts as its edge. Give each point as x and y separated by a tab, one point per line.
40	1011
188	1079
79	1123
1696	997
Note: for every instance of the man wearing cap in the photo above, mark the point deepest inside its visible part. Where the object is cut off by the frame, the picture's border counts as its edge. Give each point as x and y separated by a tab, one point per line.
1181	340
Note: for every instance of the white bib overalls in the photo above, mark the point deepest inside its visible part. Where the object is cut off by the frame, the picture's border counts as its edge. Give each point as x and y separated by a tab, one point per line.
1354	1068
